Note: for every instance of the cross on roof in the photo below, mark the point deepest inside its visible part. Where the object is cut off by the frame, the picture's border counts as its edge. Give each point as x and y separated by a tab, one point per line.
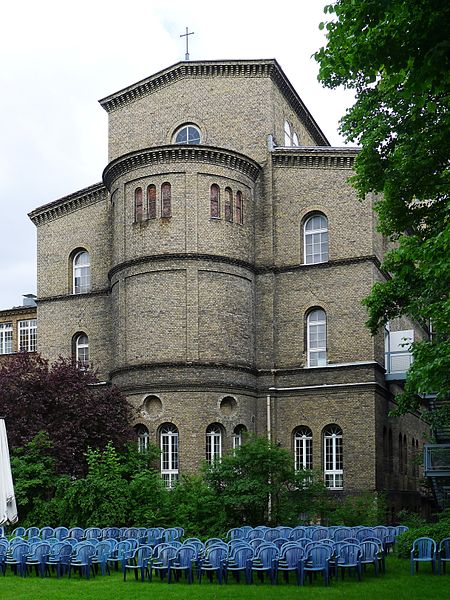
186	35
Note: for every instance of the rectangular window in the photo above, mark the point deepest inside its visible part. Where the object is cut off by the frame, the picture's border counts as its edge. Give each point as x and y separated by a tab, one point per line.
6	333
27	335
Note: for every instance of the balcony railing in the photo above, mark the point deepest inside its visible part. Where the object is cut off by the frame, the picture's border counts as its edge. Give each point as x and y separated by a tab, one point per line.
436	460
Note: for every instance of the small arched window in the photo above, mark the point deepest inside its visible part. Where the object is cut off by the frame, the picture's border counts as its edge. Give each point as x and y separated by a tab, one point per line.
143	437
151	201
228	205
295	139
213	443
81	268
315	235
138	205
166	200
287	134
215	201
239	208
187	134
80	349
238	434
168	440
333	457
316	338
302	448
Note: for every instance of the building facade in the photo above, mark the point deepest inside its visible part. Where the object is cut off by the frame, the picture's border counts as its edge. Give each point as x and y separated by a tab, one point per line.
216	276
18	328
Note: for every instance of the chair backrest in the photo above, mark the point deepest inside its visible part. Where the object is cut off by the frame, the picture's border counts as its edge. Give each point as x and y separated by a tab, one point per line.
216	555
131	533
253	534
381	532
213	542
255	542
234	545
18	532
266	554
320	533
444	548
123	549
34	539
242	555
46	532
4	544
40	551
185	556
112	543
364	533
93	533
170	535
424	547
16	540
84	552
60	549
61	532
153	535
142	555
20	551
235	533
32	532
77	533
180	532
103	551
166	553
402	529
318	555
297	533
369	551
284	531
349	554
271	534
292	555
341	533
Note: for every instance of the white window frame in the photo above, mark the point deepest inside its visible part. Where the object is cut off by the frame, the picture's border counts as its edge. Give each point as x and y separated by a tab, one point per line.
316	331
193	134
143	438
315	239
6	338
213	443
238	432
81	273
303	448
82	350
168	443
333	464
27	333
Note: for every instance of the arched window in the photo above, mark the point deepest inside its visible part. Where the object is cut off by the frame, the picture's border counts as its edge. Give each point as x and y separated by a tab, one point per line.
316	334
80	349
166	201
315	235
187	134
287	134
215	201
142	437
213	443
295	139
168	440
81	268
238	433
405	454
138	205
390	451
239	207
302	448
228	205
400	453
333	457
151	201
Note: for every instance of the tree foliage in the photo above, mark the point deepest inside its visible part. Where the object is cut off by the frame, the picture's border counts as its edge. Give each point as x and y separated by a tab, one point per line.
395	55
64	402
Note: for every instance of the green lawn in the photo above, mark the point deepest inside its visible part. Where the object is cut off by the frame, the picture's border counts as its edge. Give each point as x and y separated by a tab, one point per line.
396	583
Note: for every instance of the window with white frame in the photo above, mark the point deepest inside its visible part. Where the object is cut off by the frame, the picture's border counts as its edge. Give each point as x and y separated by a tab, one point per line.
238	433
27	335
81	350
81	272
6	335
168	440
187	134
142	437
316	334
213	443
333	457
315	236
302	448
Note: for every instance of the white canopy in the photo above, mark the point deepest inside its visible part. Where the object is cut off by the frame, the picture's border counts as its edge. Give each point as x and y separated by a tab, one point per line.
8	508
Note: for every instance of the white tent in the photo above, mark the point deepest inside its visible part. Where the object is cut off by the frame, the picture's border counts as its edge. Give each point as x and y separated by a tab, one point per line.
8	508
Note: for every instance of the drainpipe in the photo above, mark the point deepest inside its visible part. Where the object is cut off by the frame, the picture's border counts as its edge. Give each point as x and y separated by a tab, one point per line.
269	436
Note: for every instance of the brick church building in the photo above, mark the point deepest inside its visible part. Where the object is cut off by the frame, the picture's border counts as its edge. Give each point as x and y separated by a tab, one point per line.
216	275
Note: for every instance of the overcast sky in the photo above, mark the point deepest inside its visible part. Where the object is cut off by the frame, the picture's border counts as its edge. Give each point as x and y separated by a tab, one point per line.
59	58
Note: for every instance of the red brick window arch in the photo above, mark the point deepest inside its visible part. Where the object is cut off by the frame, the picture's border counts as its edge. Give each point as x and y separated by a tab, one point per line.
239	208
166	200
228	205
151	201
138	205
215	201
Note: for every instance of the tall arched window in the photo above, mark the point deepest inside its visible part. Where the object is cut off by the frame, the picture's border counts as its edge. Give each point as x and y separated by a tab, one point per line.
390	451
400	453
333	457
315	236
316	338
166	200
215	201
287	134
239	208
302	448
405	454
80	349
238	433
168	440
81	269
138	205
213	443
151	201
228	205
143	437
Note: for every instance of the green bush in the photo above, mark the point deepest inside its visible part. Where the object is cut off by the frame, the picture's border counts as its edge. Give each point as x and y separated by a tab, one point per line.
436	531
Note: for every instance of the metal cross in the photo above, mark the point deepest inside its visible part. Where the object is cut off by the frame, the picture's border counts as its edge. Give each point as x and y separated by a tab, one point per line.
186	35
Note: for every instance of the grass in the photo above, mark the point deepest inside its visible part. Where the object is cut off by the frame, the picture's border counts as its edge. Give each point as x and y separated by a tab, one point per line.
397	583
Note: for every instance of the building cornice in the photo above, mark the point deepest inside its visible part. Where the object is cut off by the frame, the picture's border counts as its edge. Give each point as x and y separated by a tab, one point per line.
17	311
73	297
176	153
156	366
306	157
67	204
225	68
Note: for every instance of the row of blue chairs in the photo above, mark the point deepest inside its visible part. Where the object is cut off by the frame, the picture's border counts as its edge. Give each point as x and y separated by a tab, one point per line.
425	549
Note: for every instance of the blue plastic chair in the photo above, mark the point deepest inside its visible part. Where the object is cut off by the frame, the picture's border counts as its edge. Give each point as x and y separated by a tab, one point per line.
183	562
17	558
93	533
61	533
171	535
213	563
235	533
122	551
82	559
60	557
265	561
371	554
18	532
3	553
297	533
160	563
153	536
423	550
443	554
37	557
348	557
77	533
341	533
139	563
239	562
291	561
100	558
46	532
318	561
32	532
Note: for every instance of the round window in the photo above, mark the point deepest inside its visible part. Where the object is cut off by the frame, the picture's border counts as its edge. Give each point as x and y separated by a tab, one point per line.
188	134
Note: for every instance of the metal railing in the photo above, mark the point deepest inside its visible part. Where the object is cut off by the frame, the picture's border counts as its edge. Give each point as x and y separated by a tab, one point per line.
436	460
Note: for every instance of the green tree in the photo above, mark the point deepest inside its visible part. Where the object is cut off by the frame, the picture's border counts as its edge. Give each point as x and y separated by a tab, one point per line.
395	55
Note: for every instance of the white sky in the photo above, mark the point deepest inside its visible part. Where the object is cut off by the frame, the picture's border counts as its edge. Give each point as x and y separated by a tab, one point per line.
58	58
